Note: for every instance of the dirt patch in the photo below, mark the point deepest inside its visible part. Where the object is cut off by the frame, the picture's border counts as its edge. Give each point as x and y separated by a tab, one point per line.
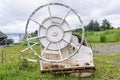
106	48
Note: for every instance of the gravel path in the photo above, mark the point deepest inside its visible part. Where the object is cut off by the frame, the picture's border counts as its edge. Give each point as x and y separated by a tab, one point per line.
106	48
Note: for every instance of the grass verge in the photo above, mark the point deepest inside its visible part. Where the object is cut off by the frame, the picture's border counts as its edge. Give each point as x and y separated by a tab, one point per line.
107	67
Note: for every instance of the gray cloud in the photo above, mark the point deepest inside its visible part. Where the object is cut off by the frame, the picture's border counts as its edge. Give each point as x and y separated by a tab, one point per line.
13	12
17	10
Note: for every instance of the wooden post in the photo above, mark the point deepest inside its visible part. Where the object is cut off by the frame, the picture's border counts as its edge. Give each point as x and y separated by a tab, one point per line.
2	56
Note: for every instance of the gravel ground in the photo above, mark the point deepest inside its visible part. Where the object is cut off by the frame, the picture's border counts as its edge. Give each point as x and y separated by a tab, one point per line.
106	48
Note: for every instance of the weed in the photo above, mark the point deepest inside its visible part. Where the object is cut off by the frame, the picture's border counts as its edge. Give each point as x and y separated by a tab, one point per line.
102	38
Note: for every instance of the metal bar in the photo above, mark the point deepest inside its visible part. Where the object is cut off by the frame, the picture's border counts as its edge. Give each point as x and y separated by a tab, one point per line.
65	17
45	49
72	44
72	29
59	51
50	14
65	40
35	21
38	23
68	30
31	60
35	38
29	48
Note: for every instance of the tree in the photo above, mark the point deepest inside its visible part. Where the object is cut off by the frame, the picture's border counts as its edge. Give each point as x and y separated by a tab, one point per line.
96	26
33	34
93	26
89	27
106	25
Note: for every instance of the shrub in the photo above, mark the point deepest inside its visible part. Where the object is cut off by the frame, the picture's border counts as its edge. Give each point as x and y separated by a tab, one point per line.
117	37
102	38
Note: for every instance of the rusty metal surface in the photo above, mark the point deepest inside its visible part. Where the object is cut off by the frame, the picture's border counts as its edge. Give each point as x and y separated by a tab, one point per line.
70	70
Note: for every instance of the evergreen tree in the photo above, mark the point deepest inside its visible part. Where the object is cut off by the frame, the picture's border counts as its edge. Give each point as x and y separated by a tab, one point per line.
106	25
89	27
93	26
96	26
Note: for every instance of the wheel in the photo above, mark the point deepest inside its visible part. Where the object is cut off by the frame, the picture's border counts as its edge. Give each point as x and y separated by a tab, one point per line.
54	32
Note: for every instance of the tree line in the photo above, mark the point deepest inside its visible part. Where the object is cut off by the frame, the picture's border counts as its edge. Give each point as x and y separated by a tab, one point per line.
95	26
91	26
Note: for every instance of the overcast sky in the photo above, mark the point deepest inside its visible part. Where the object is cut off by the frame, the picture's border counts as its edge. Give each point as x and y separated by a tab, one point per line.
14	13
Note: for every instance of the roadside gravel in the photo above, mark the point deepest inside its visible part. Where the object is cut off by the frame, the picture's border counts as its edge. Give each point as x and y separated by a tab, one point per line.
106	48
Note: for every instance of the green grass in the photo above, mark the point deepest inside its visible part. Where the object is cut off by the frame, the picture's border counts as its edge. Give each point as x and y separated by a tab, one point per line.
107	67
112	35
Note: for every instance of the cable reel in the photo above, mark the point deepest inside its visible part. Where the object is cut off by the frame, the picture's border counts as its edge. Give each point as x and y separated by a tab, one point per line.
54	32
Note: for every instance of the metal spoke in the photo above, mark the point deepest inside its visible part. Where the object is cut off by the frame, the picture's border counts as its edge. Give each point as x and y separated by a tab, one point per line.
72	44
35	38
32	42
29	47
38	23
45	49
65	40
50	14
67	30
35	21
59	51
65	17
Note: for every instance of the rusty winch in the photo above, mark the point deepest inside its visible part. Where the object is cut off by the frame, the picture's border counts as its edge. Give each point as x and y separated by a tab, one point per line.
61	51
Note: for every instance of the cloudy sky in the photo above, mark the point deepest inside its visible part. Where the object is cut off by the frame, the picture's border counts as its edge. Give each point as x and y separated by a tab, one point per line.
14	13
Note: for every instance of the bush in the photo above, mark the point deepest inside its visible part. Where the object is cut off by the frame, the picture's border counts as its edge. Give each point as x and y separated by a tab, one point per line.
117	37
102	38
